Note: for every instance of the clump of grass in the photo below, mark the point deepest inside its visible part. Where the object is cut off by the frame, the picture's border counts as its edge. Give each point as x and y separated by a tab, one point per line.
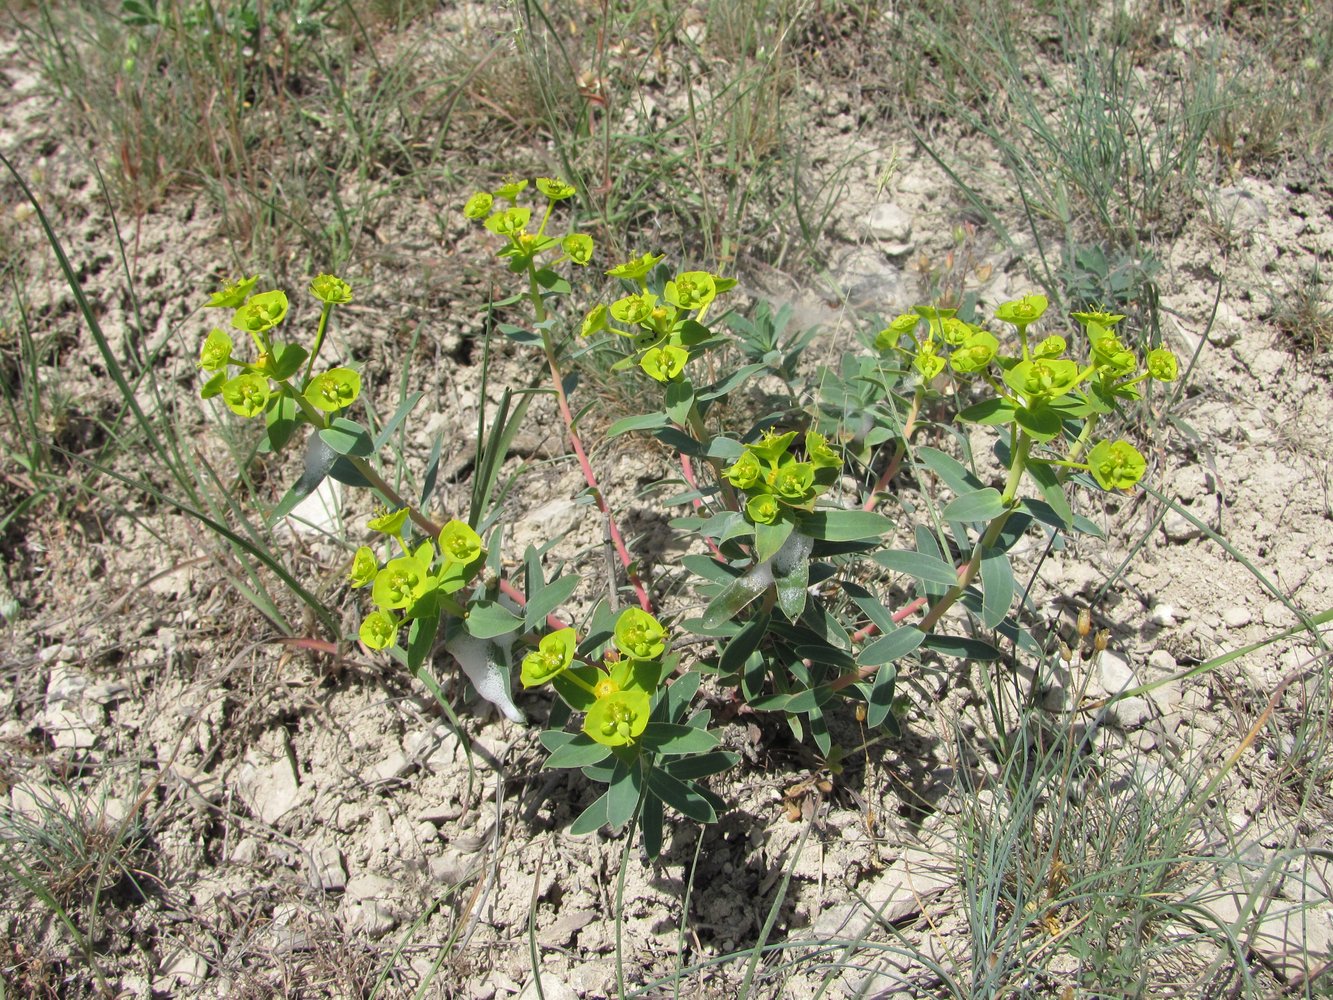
1303	311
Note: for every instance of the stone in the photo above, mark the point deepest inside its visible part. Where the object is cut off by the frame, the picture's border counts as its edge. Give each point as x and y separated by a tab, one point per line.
1238	209
270	790
1236	617
552	988
1114	673
65	685
182	967
369	906
890	223
1162	615
562	930
395	765
326	869
897	895
1129	713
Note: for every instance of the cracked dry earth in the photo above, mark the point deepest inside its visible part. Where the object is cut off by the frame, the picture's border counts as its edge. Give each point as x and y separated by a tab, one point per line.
288	821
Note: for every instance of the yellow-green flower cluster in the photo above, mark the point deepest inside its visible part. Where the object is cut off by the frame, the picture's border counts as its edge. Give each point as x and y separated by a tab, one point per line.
500	212
260	382
405	586
662	328
775	482
616	694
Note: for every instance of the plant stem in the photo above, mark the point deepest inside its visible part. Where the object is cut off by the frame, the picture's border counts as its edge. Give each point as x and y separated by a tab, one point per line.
589	477
319	339
891	470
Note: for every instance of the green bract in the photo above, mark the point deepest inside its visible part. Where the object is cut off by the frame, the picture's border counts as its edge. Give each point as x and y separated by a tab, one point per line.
389	523
554	189
1102	319
478	206
379	630
744	472
246	394
636	269
794	482
216	351
692	290
928	364
619	718
334	390
763	509
578	247
1051	347
1022	312
263	312
634	309
330	289
976	352
665	363
233	294
364	566
1162	365
1108	353
459	543
1043	378
1116	465
820	454
553	656
510	222
594	321
901	326
955	332
772	447
510	190
401	583
639	635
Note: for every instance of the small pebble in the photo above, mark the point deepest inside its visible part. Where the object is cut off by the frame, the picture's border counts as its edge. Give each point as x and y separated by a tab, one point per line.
1163	616
1236	617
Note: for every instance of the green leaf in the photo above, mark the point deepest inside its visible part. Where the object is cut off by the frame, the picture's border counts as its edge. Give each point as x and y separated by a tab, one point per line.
768	538
979	505
579	698
1041	422
989	412
488	619
643	422
552	282
679	400
702	765
746	642
554	739
891	646
319	460
1052	491
721	388
282	422
810	699
927	569
879	703
791	588
962	647
679	695
724	449
734	598
680	796
650	824
950	471
344	471
591	819
347	437
421	640
667	738
549	597
622	798
845	525
286	361
579	751
997	587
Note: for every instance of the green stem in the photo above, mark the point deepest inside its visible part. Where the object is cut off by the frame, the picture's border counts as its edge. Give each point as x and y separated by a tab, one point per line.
319	339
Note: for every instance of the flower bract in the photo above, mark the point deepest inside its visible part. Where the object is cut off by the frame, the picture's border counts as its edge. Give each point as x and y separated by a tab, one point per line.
262	312
594	321
364	567
334	390
618	719
459	543
379	630
794	482
509	222
744	472
692	290
216	352
510	190
233	295
554	189
331	290
578	247
389	523
821	456
1043	378
636	269
665	363
634	309
552	657
639	635
246	394
1162	365
1022	312
763	509
478	206
401	583
1116	465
